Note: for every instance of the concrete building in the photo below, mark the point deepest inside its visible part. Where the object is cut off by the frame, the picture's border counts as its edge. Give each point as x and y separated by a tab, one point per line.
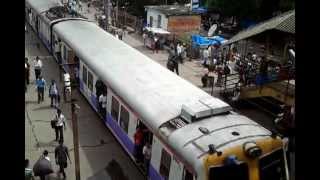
176	19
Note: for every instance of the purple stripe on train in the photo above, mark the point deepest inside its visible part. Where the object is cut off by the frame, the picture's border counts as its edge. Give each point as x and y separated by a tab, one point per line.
81	85
120	133
94	102
153	174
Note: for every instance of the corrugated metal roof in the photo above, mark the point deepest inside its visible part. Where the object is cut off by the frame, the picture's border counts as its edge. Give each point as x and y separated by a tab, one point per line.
172	10
284	22
42	5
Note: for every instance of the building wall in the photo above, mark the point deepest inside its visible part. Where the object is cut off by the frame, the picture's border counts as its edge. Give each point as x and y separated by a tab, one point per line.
154	14
182	24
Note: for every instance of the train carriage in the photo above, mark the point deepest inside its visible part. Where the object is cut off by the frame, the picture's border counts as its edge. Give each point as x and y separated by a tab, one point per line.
193	135
36	16
184	120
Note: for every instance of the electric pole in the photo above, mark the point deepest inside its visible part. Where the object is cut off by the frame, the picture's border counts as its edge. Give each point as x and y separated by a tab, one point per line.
75	138
74	107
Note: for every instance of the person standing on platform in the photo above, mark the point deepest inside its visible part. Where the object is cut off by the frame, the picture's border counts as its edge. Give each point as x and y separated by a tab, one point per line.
120	33
37	67
60	125
61	154
144	36
27	70
179	52
156	44
28	173
40	85
205	57
53	93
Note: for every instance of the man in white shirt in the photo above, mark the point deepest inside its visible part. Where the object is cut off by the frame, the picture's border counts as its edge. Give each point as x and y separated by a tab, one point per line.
144	36
37	67
59	117
205	57
103	104
179	52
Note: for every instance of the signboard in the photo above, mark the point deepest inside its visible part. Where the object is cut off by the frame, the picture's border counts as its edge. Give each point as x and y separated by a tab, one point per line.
182	24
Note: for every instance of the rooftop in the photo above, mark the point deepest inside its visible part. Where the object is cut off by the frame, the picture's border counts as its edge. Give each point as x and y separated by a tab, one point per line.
172	10
284	22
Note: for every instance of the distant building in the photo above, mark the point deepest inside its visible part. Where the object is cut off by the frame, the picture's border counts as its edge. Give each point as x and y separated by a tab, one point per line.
176	19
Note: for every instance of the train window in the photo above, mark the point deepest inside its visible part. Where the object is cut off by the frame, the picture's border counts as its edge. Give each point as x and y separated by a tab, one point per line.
235	171
115	108
165	164
65	53
84	74
124	119
90	81
272	166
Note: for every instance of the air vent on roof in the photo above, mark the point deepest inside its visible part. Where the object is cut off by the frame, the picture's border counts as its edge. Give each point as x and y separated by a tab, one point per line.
203	108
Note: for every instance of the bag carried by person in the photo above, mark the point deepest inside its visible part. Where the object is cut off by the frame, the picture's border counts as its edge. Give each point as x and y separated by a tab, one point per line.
170	65
42	167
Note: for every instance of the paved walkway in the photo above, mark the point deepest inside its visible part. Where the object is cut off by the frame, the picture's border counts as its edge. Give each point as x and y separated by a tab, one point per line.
98	148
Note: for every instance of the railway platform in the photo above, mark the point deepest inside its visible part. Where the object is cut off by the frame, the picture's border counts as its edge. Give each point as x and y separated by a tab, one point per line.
98	151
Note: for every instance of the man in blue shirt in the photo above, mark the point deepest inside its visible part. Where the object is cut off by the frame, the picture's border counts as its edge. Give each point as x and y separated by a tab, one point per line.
40	84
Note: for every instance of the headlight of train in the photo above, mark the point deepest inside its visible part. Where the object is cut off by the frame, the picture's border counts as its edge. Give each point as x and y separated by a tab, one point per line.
252	150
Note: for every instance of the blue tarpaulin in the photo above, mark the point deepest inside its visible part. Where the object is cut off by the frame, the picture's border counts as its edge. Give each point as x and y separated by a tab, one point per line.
206	41
200	10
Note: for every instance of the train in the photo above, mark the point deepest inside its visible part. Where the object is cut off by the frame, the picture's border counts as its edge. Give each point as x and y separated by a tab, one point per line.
193	135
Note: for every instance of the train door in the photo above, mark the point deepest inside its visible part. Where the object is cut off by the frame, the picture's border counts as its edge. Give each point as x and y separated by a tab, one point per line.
100	89
176	169
165	164
187	175
147	145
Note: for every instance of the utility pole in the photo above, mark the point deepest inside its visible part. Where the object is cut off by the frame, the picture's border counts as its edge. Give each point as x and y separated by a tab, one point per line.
75	137
117	9
106	4
74	120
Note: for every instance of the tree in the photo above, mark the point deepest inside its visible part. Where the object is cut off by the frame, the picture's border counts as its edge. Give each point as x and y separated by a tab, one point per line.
238	8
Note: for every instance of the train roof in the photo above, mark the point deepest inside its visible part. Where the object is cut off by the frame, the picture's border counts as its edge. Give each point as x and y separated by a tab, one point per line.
154	92
157	94
43	5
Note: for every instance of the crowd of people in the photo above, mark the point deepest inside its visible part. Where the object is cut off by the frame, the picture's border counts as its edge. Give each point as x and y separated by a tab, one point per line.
43	167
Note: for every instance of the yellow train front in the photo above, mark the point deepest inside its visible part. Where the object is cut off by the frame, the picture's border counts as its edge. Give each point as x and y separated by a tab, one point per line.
262	159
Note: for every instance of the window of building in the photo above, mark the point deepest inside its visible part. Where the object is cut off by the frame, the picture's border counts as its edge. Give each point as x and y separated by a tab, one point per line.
90	81
84	74
115	108
151	21
124	119
159	21
165	164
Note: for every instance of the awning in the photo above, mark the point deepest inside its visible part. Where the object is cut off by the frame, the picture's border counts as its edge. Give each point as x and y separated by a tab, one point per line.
157	30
